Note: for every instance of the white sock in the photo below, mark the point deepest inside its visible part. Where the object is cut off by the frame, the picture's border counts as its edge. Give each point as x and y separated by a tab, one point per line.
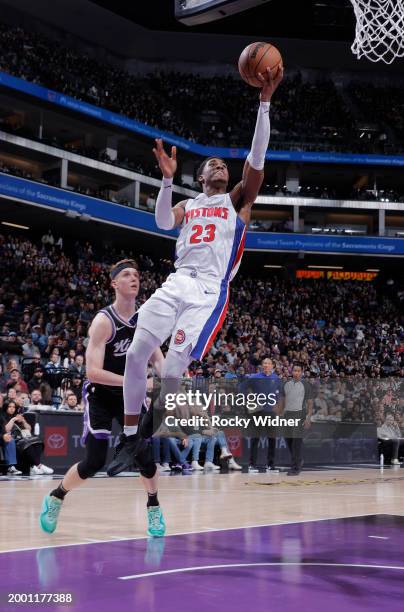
130	430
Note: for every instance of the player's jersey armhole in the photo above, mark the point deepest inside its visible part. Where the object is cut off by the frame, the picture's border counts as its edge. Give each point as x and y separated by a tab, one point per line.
112	336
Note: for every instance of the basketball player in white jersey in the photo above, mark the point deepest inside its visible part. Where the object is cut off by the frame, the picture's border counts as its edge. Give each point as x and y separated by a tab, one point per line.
191	305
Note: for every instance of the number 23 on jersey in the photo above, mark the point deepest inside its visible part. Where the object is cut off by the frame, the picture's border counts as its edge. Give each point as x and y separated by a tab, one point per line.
202	234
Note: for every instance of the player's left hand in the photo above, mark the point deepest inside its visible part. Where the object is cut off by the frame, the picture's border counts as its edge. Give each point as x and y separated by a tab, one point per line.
269	83
307	423
167	164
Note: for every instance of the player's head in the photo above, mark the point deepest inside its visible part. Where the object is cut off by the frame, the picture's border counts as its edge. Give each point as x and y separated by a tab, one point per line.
125	278
213	172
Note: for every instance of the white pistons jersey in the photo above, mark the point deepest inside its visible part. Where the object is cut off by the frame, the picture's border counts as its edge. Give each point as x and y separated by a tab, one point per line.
211	239
191	304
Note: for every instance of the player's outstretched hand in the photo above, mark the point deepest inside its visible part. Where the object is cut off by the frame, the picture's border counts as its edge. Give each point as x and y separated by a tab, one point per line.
269	83
167	164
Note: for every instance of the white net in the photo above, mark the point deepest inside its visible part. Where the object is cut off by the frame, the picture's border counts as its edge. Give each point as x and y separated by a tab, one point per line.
379	29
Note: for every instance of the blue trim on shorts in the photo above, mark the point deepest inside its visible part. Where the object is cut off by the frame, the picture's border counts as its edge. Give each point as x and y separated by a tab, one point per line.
211	323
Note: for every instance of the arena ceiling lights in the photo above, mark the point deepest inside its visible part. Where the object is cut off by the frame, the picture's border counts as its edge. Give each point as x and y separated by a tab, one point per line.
196	12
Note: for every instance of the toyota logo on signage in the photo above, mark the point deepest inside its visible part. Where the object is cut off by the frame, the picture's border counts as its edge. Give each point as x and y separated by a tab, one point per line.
55	441
234	441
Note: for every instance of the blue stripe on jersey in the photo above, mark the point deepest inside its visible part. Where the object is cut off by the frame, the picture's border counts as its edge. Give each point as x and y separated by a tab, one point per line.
211	323
238	235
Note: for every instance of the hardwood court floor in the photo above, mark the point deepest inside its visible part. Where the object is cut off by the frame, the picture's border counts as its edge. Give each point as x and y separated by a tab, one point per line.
107	509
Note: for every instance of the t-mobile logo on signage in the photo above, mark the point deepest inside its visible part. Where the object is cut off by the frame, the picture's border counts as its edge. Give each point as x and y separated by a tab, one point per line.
56	441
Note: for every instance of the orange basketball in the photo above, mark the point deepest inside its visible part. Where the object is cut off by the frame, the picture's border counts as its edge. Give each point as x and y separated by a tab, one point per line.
257	57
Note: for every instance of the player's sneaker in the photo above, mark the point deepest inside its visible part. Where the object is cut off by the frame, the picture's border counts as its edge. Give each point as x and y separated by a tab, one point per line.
155	520
48	519
195	466
124	456
253	469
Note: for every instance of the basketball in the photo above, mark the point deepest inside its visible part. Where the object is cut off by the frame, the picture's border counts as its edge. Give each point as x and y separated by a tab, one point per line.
257	57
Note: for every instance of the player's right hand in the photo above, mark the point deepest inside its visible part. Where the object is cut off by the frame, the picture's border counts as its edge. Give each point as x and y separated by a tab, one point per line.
269	83
168	165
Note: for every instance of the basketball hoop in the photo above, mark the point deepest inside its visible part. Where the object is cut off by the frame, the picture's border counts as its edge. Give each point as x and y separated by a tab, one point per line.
379	30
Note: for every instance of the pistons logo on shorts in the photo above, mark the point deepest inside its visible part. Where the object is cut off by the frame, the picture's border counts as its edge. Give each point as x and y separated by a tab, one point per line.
179	337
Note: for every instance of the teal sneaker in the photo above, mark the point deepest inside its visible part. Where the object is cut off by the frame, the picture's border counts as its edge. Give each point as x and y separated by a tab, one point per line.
48	519
156	524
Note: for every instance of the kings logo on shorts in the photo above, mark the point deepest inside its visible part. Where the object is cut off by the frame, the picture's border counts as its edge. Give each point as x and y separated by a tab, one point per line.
179	336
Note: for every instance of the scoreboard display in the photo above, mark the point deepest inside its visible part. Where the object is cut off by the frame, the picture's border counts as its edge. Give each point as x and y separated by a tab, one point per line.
197	12
340	275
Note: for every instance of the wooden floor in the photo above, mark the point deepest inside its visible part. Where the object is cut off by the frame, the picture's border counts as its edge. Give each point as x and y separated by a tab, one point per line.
109	509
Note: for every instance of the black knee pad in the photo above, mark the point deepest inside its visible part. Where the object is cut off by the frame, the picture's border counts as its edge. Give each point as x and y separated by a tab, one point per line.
87	469
96	454
144	459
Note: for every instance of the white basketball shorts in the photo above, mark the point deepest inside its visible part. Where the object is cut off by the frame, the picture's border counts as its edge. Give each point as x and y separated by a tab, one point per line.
189	309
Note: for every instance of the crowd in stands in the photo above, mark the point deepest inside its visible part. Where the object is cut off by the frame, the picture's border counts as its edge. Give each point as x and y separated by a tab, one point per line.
217	111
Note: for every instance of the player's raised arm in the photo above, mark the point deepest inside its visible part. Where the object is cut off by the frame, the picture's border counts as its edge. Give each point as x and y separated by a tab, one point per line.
245	193
167	217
